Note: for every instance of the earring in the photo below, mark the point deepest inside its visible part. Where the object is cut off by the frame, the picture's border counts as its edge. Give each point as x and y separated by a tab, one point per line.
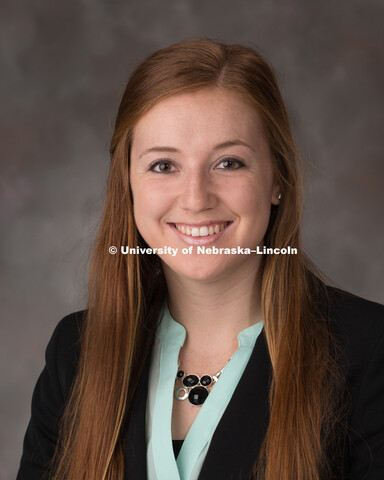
279	196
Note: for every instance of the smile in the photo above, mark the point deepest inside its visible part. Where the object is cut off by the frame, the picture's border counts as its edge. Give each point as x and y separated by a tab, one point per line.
202	230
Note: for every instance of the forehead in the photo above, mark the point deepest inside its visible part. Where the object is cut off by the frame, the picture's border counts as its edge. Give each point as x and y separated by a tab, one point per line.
207	116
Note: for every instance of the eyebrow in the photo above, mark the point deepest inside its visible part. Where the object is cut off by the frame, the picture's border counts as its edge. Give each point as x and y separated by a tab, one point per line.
220	146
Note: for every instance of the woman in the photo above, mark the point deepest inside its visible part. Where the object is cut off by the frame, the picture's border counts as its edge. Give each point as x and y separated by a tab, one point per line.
245	358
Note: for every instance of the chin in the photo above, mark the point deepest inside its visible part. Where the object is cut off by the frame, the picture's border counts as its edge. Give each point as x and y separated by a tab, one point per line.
201	276
198	271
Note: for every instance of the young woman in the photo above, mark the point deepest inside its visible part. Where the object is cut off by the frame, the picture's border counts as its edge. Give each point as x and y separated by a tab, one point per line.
202	355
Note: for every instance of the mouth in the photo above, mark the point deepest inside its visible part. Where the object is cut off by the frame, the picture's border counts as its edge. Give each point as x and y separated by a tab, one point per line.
206	230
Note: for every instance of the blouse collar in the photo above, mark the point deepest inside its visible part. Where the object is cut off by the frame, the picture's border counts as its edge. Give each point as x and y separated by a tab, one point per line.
170	331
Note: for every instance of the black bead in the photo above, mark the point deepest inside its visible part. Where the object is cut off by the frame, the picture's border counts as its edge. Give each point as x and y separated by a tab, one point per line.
180	374
190	380
205	380
198	395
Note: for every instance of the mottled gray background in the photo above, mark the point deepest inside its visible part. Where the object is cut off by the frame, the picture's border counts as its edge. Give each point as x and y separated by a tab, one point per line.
63	69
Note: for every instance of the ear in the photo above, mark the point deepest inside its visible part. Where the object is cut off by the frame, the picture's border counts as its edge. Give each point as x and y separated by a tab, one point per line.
276	195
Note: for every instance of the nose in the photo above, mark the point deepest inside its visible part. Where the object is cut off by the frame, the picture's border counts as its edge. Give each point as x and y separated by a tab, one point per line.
197	192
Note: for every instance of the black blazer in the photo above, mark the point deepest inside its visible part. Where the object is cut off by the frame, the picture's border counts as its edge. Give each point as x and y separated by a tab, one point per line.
358	323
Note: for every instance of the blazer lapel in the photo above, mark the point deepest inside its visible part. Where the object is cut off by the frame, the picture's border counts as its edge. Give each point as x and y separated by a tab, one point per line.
242	428
135	439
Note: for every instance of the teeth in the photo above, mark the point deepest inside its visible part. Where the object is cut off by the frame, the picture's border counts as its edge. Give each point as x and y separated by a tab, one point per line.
201	231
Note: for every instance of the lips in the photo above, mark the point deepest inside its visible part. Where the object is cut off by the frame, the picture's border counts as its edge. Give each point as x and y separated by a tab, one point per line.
201	230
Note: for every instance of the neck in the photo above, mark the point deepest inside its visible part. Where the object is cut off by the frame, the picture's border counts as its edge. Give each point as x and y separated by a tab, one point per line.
214	313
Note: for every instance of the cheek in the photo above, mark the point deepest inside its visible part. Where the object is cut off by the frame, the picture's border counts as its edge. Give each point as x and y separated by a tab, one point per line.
149	205
252	202
251	196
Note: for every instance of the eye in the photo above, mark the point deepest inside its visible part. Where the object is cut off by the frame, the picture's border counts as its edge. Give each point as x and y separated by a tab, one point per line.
230	163
162	166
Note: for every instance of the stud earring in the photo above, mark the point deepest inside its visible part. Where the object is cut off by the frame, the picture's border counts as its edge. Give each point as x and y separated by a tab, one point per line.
279	196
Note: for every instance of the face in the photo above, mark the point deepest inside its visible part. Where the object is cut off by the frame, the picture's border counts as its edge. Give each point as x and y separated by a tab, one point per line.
201	175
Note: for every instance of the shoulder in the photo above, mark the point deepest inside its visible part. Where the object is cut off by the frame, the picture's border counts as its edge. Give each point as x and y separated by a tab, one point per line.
359	326
50	396
358	323
67	331
347	305
63	350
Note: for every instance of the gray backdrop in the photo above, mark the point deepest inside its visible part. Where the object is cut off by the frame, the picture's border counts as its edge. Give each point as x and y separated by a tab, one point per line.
63	70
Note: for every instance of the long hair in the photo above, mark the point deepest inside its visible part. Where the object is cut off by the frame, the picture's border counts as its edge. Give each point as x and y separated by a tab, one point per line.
126	291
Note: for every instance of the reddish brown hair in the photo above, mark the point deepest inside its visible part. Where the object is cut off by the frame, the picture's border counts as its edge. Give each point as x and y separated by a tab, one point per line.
126	291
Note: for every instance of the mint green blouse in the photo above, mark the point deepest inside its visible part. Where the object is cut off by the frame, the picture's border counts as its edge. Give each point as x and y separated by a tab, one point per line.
161	462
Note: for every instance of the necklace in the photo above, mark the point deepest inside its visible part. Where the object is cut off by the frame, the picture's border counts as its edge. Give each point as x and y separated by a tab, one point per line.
193	387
